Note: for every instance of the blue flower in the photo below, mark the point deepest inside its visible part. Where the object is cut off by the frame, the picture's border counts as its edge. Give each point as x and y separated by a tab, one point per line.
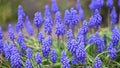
21	12
119	3
81	14
80	38
113	16
69	34
29	53
40	37
75	60
38	20
38	58
67	17
1	33
97	63
48	26
81	54
112	51
47	13
23	45
78	5
11	32
64	60
1	46
53	56
28	64
54	7
45	48
6	50
58	18
29	27
15	57
49	40
20	38
109	3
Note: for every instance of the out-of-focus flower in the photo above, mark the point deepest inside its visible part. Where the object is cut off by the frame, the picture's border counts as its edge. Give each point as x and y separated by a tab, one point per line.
67	17
69	34
54	7
11	32
113	16
58	18
1	33
53	56
38	20
97	63
64	60
81	14
75	60
119	3
78	5
109	3
28	53
29	27
28	64
38	58
40	37
1	46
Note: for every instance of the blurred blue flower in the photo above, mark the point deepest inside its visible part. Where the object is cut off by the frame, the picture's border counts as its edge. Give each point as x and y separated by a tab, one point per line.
40	37
69	34
53	56
48	26
21	12
47	13
45	48
78	5
111	51
28	64
28	53
67	17
64	60
38	58
1	46
81	54
29	27
119	3
109	3
58	18
81	14
75	60
11	32
38	20
54	7
97	63
1	33
113	16
49	40
20	38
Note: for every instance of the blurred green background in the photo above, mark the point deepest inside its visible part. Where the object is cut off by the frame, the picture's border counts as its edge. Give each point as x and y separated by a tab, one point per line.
8	9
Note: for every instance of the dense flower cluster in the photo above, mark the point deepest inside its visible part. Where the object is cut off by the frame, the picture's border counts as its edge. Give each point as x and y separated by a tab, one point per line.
11	32
38	58
54	7
53	56
29	53
109	3
97	63
28	64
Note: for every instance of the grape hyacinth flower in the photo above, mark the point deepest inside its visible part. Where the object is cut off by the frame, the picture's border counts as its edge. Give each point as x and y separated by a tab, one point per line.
28	64
58	18
113	16
81	54
49	40
29	27
97	63
20	38
40	37
67	17
28	53
69	34
54	7
15	57
11	32
75	60
112	51
38	20
38	58
1	33
1	46
53	56
6	50
21	12
48	26
47	13
81	14
109	3
78	5
119	3
64	60
45	48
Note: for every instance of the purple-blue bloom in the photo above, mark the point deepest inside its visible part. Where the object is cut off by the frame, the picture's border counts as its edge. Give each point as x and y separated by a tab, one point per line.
81	14
75	60
119	3
58	18
1	33
38	20
54	7
29	27
28	64
67	17
21	12
1	46
64	60
47	12
38	58
28	53
40	37
53	56
109	3
97	63
11	32
113	16
78	5
69	34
